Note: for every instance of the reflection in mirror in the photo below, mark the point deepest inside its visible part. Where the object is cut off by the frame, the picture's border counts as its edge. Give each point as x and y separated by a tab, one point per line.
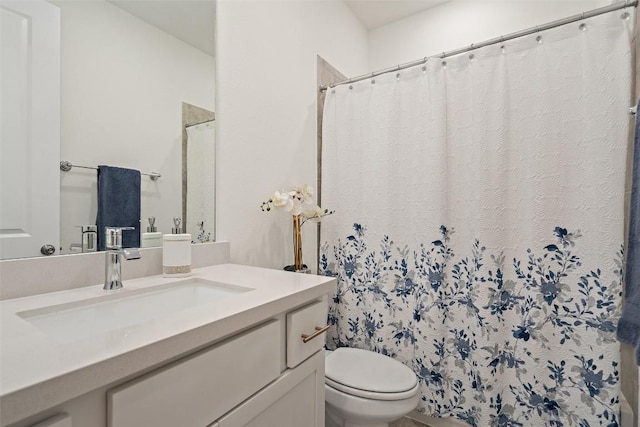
30	128
123	80
198	180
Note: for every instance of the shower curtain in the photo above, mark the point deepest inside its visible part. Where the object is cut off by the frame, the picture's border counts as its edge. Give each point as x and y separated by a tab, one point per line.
479	224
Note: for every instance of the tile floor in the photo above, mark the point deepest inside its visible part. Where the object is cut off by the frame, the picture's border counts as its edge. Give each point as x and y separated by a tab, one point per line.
406	422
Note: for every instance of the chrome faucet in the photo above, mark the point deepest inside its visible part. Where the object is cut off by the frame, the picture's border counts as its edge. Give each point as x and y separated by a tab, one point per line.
113	257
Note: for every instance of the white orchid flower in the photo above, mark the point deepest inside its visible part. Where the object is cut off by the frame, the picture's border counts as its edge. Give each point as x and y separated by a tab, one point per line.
313	212
290	206
296	209
279	199
294	195
307	194
282	201
298	201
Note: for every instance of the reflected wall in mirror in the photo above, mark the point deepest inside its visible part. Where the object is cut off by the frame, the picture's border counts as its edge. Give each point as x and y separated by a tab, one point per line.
126	67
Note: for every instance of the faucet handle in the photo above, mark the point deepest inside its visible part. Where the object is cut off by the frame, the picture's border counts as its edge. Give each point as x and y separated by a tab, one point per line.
176	222
113	236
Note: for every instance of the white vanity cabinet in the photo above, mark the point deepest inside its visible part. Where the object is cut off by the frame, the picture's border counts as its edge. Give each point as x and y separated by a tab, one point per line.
261	376
198	390
296	398
240	382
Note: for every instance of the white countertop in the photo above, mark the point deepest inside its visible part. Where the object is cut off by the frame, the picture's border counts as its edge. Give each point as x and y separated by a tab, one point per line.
38	371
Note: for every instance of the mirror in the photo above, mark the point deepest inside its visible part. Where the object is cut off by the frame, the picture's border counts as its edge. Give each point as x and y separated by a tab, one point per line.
198	179
126	68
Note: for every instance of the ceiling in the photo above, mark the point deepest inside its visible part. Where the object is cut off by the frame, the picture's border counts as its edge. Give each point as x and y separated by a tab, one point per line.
375	13
191	20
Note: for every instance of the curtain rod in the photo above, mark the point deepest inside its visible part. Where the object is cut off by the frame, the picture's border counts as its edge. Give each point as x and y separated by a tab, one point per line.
511	36
199	123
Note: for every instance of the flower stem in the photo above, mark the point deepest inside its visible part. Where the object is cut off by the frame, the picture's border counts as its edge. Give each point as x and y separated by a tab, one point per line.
297	242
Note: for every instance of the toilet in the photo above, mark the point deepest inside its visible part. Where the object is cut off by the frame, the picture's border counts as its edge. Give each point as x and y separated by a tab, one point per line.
366	389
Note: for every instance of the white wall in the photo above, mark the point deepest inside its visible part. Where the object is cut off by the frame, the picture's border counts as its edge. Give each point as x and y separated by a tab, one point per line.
123	84
460	23
266	114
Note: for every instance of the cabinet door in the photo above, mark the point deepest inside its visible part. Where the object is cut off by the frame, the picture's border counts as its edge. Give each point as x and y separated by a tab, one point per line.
197	390
295	399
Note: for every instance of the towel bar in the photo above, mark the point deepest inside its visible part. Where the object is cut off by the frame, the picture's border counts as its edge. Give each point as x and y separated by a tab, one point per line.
66	166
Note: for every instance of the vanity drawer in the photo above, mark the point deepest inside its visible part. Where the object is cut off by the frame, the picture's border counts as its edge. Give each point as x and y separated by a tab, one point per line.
198	390
309	321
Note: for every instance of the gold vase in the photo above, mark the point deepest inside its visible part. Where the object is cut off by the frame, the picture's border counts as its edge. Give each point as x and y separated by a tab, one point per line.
297	243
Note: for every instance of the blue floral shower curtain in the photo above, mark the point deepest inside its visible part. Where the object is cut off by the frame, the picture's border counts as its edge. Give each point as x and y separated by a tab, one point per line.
479	224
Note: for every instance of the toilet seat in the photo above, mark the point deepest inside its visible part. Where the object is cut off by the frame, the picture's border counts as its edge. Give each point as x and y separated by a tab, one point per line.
369	375
371	395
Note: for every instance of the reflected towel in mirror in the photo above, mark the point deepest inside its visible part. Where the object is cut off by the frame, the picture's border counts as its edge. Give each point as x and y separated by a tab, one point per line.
119	204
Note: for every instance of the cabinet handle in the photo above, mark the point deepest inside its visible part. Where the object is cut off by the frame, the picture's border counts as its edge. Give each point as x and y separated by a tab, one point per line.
319	331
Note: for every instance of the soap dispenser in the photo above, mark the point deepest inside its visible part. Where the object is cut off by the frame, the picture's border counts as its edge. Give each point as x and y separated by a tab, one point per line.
176	252
152	237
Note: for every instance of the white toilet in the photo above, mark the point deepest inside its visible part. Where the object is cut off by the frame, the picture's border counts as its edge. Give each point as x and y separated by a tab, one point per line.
366	389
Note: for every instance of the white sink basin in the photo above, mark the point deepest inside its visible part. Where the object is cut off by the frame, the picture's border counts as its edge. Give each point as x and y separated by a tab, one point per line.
121	309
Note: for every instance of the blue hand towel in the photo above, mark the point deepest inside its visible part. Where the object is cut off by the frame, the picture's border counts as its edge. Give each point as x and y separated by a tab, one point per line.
119	204
629	324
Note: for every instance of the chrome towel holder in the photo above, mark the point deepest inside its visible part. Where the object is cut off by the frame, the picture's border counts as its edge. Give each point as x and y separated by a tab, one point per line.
66	166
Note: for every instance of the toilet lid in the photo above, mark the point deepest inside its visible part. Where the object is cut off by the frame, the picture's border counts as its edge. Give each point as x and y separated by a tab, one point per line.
367	370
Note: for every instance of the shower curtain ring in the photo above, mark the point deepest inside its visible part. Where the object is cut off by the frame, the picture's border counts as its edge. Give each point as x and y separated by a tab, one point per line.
538	37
